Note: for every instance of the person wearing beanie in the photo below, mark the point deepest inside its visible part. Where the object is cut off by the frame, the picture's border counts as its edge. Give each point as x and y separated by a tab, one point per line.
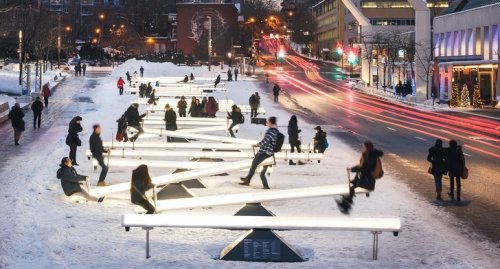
97	150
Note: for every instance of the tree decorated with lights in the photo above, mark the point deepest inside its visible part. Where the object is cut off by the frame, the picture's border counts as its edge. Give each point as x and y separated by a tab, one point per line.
464	97
454	102
477	102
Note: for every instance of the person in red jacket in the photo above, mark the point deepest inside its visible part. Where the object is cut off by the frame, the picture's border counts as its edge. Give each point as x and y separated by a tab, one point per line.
46	94
120	83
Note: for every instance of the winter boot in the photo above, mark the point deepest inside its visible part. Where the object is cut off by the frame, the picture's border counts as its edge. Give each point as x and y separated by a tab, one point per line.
438	194
458	196
102	184
301	162
290	162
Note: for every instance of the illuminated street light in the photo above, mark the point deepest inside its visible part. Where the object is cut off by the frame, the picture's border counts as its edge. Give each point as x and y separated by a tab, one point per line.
352	58
290	13
340	52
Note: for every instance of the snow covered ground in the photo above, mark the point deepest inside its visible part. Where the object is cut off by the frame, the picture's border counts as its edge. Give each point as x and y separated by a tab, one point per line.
41	228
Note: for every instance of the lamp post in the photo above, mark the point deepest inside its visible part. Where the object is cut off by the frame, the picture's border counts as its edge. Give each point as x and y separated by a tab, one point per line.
209	41
21	59
340	52
351	58
58	38
229	54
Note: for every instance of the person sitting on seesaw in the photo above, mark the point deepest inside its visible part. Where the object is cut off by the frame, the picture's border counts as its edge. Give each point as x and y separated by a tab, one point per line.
72	182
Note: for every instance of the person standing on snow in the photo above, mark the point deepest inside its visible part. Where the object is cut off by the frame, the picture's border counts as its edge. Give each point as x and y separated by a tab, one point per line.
236	74
84	68
191	77
276	92
16	116
367	171
266	150
120	83
97	150
229	75
72	139
182	106
254	103
37	107
72	182
129	78
170	121
140	183
217	81
142	71
437	158
293	136
46	94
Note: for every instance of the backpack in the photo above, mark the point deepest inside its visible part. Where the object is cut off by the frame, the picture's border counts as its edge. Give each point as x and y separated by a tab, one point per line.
279	142
325	143
378	172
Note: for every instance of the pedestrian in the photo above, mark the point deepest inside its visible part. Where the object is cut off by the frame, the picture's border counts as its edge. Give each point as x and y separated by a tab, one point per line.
229	75
142	90
236	74
266	150
236	118
16	116
293	136
182	106
72	182
134	121
84	68
149	89
455	164
120	83
135	75
129	78
276	92
142	71
319	141
157	84
437	158
367	171
140	183
37	107
191	77
72	139
217	81
212	107
170	121
97	150
193	107
203	107
46	94
186	79
76	70
79	70
254	103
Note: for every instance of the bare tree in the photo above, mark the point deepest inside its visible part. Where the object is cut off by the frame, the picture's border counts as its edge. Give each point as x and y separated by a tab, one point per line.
424	56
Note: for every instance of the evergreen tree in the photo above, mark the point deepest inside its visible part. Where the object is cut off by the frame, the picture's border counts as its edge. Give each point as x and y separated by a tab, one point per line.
464	97
477	102
454	102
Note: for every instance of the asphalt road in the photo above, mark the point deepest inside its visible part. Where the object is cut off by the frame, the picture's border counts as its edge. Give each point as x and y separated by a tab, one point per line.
316	91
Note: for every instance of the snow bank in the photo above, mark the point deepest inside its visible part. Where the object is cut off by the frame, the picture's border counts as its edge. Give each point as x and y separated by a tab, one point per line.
9	80
41	228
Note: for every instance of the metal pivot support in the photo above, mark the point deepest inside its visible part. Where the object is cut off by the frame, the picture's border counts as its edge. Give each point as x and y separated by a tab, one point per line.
375	244
147	241
254	209
174	191
194	183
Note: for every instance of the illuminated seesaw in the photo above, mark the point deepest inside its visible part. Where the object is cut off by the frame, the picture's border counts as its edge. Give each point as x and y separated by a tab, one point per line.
120	162
181	122
196	136
216	169
186	130
245	109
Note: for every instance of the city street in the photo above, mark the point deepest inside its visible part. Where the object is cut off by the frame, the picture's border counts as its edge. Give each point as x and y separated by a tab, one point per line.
316	91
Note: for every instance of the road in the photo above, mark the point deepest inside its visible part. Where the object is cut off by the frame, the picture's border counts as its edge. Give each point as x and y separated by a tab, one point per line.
316	91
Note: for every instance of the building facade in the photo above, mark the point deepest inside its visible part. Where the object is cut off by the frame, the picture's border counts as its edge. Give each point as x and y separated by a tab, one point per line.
466	50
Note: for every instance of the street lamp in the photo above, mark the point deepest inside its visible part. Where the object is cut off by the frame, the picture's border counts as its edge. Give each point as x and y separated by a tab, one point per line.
351	58
340	52
209	41
229	54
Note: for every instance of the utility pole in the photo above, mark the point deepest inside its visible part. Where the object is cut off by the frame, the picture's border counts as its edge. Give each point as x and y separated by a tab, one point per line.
58	38
21	59
209	41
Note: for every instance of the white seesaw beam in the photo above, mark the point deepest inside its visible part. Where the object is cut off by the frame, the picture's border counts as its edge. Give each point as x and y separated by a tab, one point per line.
208	154
188	123
199	129
253	222
159	164
192	145
254	197
218	168
202	137
161	116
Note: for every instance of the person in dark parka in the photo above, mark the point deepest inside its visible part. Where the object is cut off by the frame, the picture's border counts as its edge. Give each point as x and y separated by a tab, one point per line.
97	150
182	106
455	163
16	116
134	121
170	121
217	81
276	92
72	139
437	157
293	136
367	170
235	116
319	140
141	182
72	182
37	107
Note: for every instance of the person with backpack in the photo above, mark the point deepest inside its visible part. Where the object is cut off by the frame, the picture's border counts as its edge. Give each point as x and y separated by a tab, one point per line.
120	83
96	148
320	142
267	147
182	106
455	164
140	183
367	172
293	136
16	116
437	158
276	92
236	118
134	121
254	103
37	107
46	94
72	139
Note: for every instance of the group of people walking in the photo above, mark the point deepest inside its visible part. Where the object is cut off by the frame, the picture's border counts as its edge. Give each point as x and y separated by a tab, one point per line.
206	108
